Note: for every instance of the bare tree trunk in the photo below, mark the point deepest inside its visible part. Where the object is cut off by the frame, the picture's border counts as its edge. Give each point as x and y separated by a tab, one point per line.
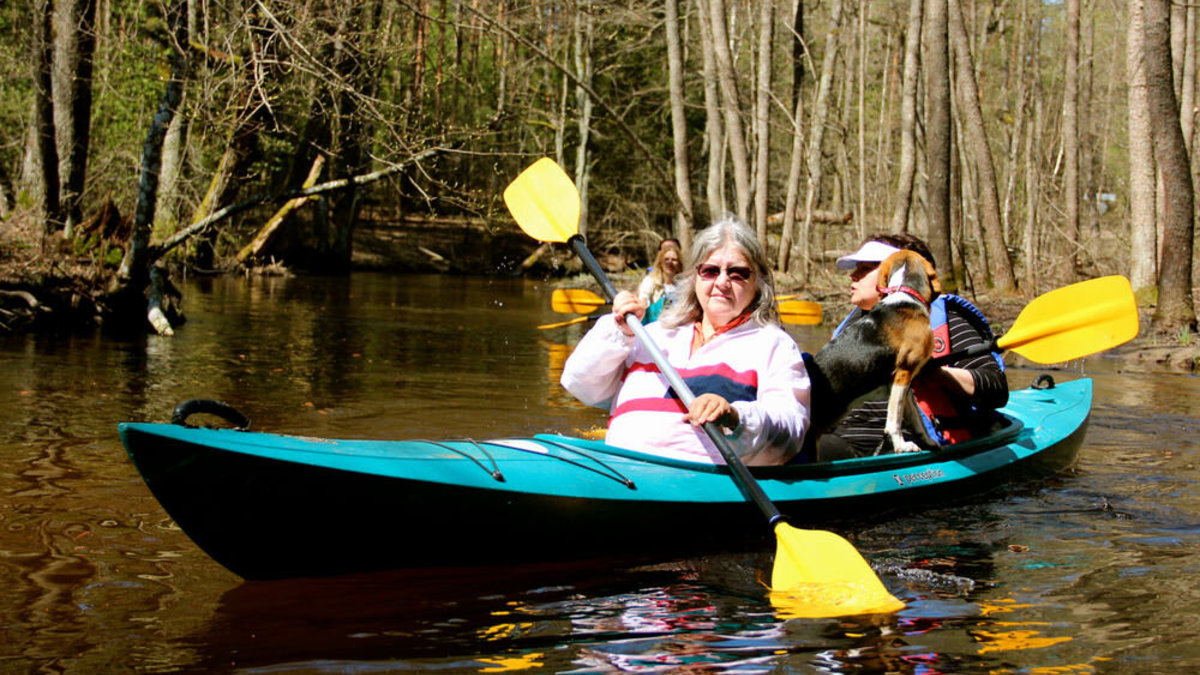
76	43
1175	310
1178	21
713	127
1090	164
584	28
416	90
166	211
1000	265
799	52
938	135
731	107
8	193
355	65
908	118
134	273
683	188
861	106
1020	107
47	146
1187	101
793	186
1070	131
762	111
1144	255
889	100
1033	187
816	132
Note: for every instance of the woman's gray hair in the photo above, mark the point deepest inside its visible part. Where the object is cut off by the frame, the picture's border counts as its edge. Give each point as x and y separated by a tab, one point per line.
728	230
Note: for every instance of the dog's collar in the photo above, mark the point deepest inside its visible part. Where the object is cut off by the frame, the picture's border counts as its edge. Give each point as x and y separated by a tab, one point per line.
888	290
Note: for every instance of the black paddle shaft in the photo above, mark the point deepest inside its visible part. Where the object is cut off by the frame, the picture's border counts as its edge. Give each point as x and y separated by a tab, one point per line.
745	481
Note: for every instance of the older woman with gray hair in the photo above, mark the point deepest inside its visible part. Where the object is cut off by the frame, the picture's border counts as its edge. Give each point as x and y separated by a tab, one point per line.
724	338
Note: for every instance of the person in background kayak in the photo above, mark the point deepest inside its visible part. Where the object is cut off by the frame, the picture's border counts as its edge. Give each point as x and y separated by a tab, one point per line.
724	338
957	399
657	290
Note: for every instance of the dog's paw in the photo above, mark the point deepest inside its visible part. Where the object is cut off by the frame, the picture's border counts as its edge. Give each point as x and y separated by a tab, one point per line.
907	446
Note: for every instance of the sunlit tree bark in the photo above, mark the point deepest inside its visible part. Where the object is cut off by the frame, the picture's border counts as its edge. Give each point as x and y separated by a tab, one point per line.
816	133
584	28
937	139
908	118
75	45
999	263
714	128
1070	263
1144	254
1175	310
735	133
679	126
762	112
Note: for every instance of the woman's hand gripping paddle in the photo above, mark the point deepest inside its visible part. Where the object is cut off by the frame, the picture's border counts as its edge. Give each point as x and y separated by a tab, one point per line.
816	573
1068	323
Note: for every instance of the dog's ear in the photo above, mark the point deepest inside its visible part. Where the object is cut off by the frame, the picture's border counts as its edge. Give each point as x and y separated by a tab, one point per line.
885	269
934	283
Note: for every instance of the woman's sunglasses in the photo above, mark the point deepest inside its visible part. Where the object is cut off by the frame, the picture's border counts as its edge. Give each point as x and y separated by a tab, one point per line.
710	272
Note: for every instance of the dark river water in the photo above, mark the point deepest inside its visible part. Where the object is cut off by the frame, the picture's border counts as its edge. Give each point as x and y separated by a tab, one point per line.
1096	570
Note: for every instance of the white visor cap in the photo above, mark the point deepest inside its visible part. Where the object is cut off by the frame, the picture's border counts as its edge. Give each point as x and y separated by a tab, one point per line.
870	252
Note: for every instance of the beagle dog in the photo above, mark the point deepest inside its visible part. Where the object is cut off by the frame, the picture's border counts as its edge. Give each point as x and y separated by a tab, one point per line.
889	343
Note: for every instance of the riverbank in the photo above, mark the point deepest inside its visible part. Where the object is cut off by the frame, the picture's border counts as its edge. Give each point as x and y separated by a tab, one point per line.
44	287
1147	353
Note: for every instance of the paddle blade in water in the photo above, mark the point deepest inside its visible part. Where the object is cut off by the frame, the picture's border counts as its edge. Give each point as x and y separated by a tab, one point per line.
819	574
800	312
575	301
544	202
1075	321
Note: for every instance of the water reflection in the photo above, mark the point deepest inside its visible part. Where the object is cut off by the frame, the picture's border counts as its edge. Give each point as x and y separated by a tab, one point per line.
1093	571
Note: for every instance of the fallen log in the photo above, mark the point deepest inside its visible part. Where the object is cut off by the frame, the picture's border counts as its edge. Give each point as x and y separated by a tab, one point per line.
264	236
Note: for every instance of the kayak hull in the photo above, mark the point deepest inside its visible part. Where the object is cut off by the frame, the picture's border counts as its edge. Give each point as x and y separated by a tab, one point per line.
273	506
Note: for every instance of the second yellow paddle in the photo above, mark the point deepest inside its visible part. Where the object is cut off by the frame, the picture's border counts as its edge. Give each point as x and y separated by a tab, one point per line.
1068	323
583	301
575	301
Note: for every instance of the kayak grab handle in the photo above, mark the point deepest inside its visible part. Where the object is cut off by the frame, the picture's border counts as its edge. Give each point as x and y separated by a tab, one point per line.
207	406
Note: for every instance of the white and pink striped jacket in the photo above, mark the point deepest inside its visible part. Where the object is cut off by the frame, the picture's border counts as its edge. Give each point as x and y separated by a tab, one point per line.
758	369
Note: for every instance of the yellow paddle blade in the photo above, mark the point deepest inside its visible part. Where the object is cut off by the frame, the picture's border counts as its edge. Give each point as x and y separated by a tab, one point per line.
781	298
560	324
575	301
800	312
1075	321
544	202
819	574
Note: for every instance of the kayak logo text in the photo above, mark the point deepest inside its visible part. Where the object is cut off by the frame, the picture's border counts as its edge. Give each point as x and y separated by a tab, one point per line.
921	477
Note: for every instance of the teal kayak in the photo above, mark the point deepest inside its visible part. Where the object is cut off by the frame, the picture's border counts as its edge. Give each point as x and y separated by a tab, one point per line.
269	505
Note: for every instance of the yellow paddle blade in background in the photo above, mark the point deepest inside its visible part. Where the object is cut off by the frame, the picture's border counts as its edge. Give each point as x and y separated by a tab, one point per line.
1075	321
560	324
820	574
800	312
575	301
544	202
